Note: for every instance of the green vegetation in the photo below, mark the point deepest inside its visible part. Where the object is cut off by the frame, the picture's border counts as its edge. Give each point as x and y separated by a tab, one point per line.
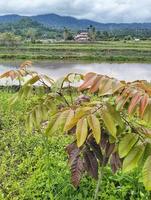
24	169
114	51
103	125
30	30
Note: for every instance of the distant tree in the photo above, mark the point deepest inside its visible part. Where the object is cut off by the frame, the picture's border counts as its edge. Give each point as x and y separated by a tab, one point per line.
31	34
67	34
9	39
92	32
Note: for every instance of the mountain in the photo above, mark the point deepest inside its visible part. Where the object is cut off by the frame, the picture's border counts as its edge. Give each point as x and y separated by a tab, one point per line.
57	21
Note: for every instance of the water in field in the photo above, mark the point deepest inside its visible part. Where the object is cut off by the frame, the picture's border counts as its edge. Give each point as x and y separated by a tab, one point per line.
124	71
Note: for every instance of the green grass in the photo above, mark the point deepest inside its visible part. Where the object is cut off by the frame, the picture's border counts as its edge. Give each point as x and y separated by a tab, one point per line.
101	51
26	173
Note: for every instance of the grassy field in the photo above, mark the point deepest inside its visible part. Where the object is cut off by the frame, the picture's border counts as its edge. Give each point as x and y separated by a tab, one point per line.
33	168
119	51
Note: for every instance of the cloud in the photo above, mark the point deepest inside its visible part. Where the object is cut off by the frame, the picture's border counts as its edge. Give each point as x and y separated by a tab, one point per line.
99	10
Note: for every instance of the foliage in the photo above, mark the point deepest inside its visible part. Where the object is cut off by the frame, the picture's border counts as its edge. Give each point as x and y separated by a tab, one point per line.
9	39
23	164
99	123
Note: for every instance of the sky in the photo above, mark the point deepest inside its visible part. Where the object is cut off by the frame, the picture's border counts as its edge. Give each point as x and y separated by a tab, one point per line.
98	10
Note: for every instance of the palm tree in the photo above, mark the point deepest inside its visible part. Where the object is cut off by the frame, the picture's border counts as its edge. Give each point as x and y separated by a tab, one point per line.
65	34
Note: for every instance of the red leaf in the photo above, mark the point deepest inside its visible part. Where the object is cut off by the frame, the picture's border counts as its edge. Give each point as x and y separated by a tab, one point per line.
88	81
135	100
144	102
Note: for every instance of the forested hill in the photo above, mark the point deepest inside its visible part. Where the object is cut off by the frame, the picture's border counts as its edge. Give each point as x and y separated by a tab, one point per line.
56	21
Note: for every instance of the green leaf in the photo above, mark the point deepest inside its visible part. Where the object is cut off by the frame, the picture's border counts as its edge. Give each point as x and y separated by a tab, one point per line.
95	126
109	122
81	131
32	80
57	123
74	117
147	152
147	174
115	115
131	160
126	144
147	114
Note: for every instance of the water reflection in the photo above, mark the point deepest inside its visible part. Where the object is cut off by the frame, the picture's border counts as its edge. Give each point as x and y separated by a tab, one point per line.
126	71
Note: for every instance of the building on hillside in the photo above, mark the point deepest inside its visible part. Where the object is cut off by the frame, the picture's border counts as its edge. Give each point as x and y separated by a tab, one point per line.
82	37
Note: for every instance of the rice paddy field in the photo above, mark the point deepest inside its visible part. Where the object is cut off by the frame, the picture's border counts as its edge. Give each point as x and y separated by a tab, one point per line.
112	51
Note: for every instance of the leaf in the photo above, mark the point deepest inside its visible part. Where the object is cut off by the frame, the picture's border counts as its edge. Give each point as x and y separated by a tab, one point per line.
69	124
147	152
115	115
115	162
32	80
25	64
57	123
109	149
75	162
96	149
76	171
26	91
104	139
96	84
74	117
81	131
90	163
147	174
126	144
73	151
132	159
134	102
147	114
143	104
57	85
109	86
88	81
109	122
95	126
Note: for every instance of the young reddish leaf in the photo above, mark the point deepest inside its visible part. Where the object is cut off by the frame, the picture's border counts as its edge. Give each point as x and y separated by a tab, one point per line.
76	170
96	149
134	102
90	163
115	162
88	81
96	84
73	151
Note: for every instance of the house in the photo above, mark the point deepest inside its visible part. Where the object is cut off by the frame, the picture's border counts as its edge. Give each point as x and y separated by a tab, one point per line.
82	37
137	39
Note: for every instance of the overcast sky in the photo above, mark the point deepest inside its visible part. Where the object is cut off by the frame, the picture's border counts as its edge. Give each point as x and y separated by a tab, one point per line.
99	10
